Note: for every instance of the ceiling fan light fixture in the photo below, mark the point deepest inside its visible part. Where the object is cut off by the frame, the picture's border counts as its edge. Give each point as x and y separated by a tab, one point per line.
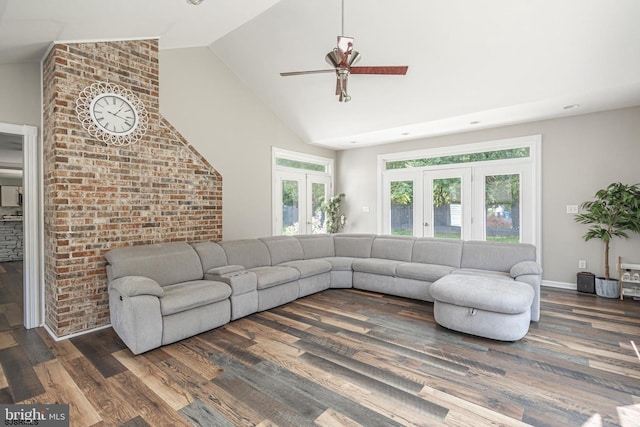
344	97
354	57
333	58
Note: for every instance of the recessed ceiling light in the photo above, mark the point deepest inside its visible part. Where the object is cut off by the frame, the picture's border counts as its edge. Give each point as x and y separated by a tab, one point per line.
570	106
475	122
406	133
353	142
194	2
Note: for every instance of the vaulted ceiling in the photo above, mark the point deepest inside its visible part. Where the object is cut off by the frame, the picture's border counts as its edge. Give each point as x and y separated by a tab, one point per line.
472	63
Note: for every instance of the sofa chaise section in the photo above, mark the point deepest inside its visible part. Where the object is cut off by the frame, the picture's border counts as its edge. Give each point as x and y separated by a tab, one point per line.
158	295
514	261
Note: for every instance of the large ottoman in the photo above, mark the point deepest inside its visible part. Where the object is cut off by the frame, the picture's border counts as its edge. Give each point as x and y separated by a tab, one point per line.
491	307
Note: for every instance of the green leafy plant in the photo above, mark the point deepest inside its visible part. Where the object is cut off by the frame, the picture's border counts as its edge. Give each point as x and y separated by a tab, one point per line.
614	212
335	221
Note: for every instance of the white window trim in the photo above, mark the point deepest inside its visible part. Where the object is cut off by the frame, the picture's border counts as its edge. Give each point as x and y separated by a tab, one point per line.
534	142
277	153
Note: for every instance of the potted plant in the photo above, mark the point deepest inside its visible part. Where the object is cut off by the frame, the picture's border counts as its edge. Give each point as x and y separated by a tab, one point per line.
614	212
335	221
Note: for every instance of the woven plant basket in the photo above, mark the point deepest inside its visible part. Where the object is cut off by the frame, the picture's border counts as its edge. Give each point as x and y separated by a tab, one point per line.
607	288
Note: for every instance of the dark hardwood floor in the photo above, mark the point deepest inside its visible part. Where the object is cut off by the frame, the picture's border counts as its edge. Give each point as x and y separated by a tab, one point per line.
11	298
345	358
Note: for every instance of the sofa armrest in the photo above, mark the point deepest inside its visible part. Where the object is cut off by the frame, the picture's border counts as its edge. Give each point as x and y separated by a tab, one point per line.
225	269
525	267
530	272
241	281
131	286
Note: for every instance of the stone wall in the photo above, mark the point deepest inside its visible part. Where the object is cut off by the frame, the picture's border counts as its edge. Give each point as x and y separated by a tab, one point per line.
99	196
11	241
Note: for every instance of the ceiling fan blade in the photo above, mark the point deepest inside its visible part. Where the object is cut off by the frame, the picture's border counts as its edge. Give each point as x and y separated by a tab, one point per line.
300	73
392	70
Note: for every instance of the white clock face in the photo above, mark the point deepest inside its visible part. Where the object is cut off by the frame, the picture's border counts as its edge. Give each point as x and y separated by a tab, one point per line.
114	114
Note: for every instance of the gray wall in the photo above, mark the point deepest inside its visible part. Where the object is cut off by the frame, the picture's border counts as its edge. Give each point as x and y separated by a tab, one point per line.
20	94
580	155
232	129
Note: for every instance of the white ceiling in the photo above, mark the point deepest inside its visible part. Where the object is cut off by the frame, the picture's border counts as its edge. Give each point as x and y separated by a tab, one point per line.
495	62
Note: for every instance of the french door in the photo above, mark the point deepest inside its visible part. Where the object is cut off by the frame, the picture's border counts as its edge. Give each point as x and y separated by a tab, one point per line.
485	202
299	198
447	203
402	204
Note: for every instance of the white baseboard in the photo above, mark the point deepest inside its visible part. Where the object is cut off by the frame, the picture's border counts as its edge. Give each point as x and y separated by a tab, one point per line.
56	338
560	285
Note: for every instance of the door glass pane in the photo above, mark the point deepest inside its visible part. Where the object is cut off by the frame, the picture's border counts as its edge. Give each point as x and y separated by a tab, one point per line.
502	207
447	208
318	195
401	214
290	208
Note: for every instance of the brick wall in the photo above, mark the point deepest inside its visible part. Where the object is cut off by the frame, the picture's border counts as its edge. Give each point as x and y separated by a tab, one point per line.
98	197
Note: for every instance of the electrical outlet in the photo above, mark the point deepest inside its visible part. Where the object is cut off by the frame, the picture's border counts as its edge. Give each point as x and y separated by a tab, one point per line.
572	209
582	264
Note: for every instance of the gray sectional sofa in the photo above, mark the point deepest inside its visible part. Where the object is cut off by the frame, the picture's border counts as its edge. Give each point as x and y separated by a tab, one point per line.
163	293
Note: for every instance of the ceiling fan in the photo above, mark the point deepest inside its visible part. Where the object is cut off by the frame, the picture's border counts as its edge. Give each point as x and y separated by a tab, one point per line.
343	58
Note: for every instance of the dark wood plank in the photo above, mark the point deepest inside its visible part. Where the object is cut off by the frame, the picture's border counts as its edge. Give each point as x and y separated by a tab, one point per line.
263	402
23	381
93	348
5	396
199	413
37	351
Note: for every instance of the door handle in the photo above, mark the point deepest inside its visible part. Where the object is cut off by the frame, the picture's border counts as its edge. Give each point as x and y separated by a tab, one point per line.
426	224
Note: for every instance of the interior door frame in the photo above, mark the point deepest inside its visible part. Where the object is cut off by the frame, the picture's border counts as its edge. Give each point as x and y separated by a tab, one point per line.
33	266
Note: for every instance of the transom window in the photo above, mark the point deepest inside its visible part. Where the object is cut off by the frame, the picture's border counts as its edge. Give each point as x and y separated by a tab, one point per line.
485	191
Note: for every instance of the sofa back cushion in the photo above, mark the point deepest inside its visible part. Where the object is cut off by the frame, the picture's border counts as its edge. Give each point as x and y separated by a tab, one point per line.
428	250
397	248
353	245
283	249
166	263
249	253
495	256
317	245
211	255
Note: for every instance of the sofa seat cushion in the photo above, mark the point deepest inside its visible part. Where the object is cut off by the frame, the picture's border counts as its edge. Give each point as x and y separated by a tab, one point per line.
424	272
478	272
309	267
383	267
188	295
485	293
340	263
272	276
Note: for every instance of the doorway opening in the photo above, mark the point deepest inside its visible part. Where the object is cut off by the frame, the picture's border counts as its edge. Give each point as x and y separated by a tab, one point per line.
20	212
11	233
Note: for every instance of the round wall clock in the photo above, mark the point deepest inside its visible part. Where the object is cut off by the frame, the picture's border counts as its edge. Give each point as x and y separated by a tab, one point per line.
112	113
